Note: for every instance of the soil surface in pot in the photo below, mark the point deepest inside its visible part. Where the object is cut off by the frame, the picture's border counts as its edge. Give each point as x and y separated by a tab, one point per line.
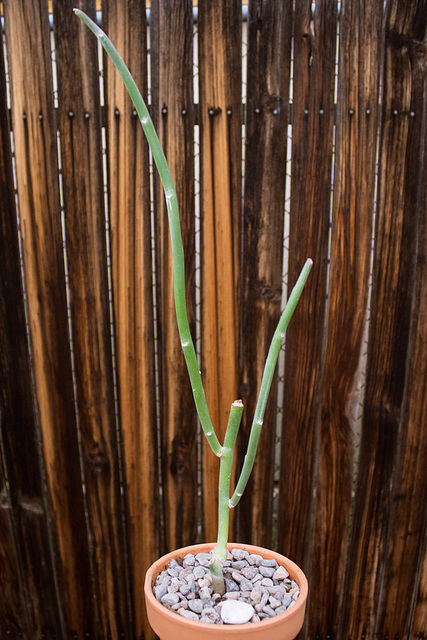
257	588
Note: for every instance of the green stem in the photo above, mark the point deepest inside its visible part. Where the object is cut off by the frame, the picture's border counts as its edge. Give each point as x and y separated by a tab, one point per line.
270	365
227	453
174	227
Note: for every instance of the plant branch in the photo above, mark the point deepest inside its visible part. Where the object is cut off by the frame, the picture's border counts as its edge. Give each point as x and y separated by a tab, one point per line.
174	227
226	452
267	377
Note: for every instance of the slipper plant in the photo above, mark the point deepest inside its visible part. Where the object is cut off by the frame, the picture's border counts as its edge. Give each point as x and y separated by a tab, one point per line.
225	451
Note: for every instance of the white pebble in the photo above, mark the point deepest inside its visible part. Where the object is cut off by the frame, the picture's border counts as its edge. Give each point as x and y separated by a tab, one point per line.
184	589
199	572
250	572
235	612
246	585
267	582
255	559
280	574
204	593
269	562
196	606
202	582
256	594
169	599
203	559
160	590
274	603
237	576
188	614
280	610
189	560
287	601
209	615
173	564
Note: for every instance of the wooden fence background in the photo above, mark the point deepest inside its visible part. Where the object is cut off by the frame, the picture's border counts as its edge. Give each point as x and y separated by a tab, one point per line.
340	483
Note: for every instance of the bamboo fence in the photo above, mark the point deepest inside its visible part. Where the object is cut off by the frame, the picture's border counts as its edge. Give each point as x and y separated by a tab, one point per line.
293	130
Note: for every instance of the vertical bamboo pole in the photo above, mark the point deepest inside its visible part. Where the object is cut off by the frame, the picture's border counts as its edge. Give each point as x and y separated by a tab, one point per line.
129	203
83	196
268	74
350	253
220	135
27	33
313	115
397	398
171	40
29	601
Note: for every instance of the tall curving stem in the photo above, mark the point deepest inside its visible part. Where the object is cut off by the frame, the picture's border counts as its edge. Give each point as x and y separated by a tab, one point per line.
226	451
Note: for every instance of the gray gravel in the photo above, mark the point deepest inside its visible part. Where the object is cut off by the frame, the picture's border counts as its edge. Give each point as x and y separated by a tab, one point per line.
186	588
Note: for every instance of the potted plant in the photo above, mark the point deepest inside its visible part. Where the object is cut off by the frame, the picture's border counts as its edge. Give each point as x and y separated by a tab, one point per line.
269	590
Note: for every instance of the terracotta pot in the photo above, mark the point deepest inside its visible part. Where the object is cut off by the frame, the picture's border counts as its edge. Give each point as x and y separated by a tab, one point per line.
171	626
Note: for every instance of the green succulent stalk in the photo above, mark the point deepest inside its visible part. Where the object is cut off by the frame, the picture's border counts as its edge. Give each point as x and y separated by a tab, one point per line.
226	503
226	451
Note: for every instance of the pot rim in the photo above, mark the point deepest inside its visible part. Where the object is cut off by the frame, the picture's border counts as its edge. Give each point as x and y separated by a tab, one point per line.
294	571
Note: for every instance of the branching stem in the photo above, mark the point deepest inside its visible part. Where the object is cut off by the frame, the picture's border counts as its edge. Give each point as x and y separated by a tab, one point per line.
220	551
226	452
267	377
